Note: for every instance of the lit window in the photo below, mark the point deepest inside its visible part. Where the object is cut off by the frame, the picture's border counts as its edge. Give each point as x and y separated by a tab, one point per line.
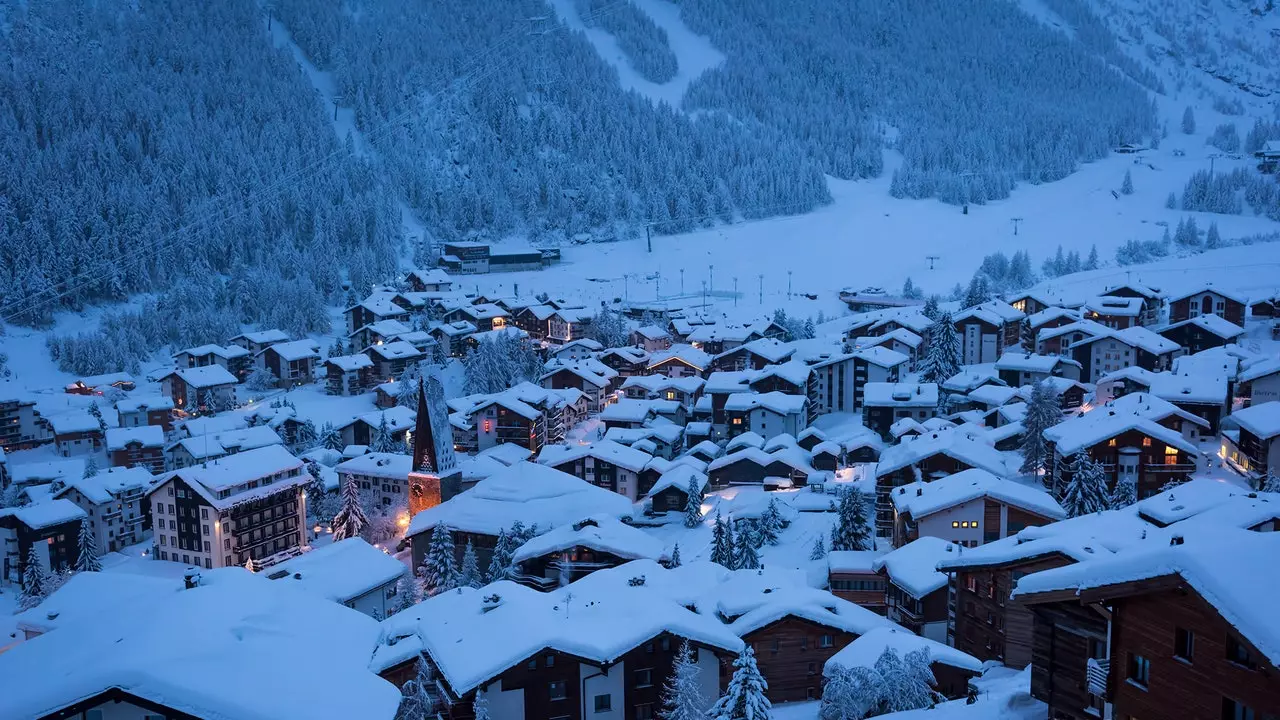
1146	442
955	524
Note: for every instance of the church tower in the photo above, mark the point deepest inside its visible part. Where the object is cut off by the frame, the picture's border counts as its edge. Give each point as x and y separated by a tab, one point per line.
435	468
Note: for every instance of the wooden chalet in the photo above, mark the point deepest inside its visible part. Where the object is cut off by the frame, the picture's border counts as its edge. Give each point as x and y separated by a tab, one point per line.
1203	332
293	363
1208	300
1152	300
852	576
348	374
986	330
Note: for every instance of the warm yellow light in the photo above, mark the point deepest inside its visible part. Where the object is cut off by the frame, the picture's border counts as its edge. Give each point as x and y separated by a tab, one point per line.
1170	450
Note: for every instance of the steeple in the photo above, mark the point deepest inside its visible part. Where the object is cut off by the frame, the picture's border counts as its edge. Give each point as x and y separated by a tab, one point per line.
433	457
424	445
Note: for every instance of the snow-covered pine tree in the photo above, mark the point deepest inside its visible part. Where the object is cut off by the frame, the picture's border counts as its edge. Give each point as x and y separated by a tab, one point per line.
500	562
441	570
746	556
96	412
308	436
350	520
910	291
682	696
819	550
979	290
1188	121
905	684
87	558
382	441
1124	494
469	574
731	541
36	582
693	506
745	698
1270	483
721	547
1171	202
1126	187
942	359
407	593
675	556
852	530
851	693
90	467
930	309
608	329
330	438
418	696
480	706
1086	493
1092	263
260	378
1213	240
770	524
1043	412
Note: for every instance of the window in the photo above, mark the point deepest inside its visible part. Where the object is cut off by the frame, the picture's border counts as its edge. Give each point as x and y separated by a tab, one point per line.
206	546
162	539
1139	670
204	513
813	668
604	703
557	690
1184	644
644	678
204	529
666	644
549	661
826	641
644	711
1232	710
1238	653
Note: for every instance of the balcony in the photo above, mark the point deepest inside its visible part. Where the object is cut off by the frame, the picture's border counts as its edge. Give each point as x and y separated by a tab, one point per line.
1169	468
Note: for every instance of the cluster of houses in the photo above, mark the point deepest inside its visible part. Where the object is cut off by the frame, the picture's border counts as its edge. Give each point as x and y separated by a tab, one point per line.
1148	610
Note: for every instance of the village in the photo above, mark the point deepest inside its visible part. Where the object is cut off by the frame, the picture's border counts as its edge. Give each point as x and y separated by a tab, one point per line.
472	506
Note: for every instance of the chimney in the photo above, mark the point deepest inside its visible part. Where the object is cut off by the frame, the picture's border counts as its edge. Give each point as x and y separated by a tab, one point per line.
919	492
1176	540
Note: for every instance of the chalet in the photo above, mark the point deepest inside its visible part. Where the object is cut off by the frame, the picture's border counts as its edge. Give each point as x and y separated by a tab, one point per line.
112	503
684	390
1268	156
627	361
969	508
571	552
450	336
209	446
136	447
1208	397
679	361
432	281
484	316
827	456
1267	307
384	477
885	403
18	425
1166	631
1260	382
606	464
952	669
670	493
293	363
51	527
1152	300
76	433
651	338
348	374
349	572
754	466
248	508
138	411
767	414
986	330
592	377
1114	311
1052	317
380	305
1119	349
197	390
1129	445
519	492
506	418
1019	368
1058	340
256	342
901	341
1122	382
915	592
1202	332
364	429
851	576
1253	448
566	324
1208	300
1031	302
100	384
929	457
753	355
391	359
235	358
378	333
972	378
580	349
630	414
533	319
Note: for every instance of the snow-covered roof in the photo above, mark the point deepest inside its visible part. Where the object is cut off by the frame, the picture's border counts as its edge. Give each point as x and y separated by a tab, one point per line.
922	499
794	372
678	475
1114	305
657	383
48	513
1189	388
205	377
588	369
262	337
1186	500
994	312
852	561
775	402
748	439
1139	375
994	395
295	350
138	403
1263	419
350	363
76	421
528	492
1144	339
686	354
93	595
1029	362
867	649
771	349
1050	314
914	566
1102	423
955	443
1210	323
252	639
604	534
1087	327
886	394
628	410
793	457
1260	369
652	332
377	464
609	451
146	435
395	350
434	276
1210	288
229	472
108	484
398	418
457	328
1229	568
881	356
46	471
340	571
628	354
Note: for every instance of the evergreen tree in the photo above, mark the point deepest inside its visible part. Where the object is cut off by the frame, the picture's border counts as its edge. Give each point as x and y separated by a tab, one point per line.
942	360
770	523
90	467
407	593
500	562
1126	187
440	572
1270	483
979	290
350	520
1043	412
852	531
469	575
721	545
930	309
851	693
910	291
1171	202
96	412
675	557
682	696
36	581
693	506
260	378
87	549
819	551
382	441
480	706
608	329
1188	121
906	682
418	699
731	543
1124	494
1213	240
745	698
330	438
1086	493
1092	263
746	556
308	437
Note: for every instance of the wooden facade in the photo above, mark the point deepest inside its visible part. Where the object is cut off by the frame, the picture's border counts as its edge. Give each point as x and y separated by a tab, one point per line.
790	653
1156	462
987	623
1206	302
1066	637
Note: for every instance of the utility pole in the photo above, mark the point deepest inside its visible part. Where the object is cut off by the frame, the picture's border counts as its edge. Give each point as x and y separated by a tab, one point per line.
761	278
711	278
735	291
626	285
681	282
657	286
648	236
336	100
1015	222
931	259
788	284
1213	157
704	297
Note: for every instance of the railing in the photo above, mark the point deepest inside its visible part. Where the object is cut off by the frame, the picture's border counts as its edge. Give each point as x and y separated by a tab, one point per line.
1176	468
1096	672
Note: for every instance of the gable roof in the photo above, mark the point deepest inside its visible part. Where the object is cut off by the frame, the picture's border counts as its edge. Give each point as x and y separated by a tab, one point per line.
621	455
775	402
1223	328
1263	420
1210	288
922	499
954	443
687	354
914	566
